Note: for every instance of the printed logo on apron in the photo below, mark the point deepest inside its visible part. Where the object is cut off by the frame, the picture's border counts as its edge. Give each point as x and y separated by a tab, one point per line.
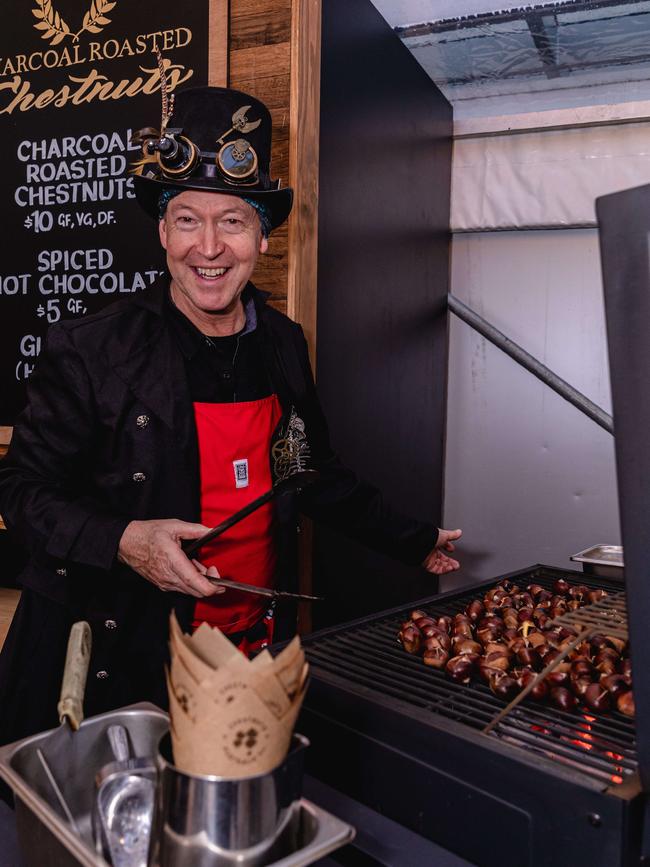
241	472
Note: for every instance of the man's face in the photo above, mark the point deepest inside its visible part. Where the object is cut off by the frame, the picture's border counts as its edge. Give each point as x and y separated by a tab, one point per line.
212	242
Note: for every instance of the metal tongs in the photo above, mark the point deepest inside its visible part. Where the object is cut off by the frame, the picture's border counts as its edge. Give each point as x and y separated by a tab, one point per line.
292	484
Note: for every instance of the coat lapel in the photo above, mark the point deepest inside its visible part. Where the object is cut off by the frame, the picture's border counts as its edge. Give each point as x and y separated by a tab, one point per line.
152	366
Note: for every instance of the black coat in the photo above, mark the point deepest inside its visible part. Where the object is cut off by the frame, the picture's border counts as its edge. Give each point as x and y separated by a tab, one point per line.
108	437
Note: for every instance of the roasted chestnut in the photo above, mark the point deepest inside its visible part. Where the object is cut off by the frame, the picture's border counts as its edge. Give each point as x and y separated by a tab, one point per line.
625	667
618	644
539	691
463	629
445	622
497	659
462	646
485	672
614	684
475	610
558	678
411	639
561	587
503	686
486	634
460	668
563	699
436	658
421	622
597	698
433	642
580	685
625	703
529	656
592	596
436	632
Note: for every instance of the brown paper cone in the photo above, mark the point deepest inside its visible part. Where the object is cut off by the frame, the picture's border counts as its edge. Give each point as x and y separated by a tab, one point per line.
239	740
231	717
198	669
262	660
288	667
270	690
214	648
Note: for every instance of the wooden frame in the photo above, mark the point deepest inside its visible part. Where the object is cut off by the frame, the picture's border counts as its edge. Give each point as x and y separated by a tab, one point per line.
218	43
303	166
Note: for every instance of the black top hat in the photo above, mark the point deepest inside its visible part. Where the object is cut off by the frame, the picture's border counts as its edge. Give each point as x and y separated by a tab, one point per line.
212	139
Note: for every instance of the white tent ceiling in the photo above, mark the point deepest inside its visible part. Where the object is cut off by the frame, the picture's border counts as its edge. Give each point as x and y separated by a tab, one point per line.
498	57
400	13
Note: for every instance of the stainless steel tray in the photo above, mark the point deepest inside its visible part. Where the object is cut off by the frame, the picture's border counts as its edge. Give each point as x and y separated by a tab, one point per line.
603	560
45	837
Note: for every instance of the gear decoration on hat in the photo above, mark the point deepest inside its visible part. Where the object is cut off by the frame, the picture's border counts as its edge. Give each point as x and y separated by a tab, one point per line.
291	452
237	159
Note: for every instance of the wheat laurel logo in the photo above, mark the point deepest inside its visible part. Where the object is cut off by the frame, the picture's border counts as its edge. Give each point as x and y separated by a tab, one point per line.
56	29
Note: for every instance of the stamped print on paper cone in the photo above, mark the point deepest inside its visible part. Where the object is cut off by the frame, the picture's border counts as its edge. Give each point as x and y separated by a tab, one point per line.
245	740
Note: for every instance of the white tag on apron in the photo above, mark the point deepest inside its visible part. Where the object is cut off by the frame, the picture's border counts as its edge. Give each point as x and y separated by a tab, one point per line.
241	472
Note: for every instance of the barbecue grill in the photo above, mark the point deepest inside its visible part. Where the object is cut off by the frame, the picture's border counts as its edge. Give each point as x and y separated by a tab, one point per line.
544	787
539	787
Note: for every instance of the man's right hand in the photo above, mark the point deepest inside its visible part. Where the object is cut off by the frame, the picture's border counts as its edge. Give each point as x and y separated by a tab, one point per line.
153	550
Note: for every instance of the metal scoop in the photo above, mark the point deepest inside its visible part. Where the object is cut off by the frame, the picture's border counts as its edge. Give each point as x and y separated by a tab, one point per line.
124	804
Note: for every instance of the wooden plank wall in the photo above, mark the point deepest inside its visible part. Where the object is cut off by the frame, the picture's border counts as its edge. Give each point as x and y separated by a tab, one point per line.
260	64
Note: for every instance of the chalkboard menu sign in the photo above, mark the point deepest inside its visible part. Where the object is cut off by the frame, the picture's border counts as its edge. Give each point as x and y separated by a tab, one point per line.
76	78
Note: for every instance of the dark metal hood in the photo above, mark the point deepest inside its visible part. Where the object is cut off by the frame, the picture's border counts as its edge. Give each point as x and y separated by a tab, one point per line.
624	220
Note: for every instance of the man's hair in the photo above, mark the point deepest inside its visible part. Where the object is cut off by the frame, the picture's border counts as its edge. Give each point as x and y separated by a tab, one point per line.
170	192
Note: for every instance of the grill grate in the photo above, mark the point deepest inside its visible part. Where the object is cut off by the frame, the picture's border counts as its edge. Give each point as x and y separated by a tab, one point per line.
368	655
609	615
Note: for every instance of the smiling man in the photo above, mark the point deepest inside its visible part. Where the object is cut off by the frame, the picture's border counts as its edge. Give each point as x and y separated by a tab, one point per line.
160	416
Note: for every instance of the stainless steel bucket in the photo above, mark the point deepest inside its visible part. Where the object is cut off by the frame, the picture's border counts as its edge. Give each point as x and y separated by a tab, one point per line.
207	821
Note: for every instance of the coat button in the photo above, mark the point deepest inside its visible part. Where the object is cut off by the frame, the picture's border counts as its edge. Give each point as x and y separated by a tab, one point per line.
101	675
110	624
142	421
139	477
62	571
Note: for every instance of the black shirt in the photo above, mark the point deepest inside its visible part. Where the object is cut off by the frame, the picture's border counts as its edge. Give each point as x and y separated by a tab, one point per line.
221	369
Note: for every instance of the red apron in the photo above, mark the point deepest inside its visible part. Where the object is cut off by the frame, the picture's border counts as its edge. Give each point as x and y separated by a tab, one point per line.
234	442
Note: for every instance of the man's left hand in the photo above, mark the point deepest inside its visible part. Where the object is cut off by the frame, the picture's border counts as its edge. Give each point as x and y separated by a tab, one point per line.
437	561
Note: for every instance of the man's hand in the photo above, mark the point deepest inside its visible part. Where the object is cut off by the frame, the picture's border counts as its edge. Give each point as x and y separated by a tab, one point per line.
437	561
153	550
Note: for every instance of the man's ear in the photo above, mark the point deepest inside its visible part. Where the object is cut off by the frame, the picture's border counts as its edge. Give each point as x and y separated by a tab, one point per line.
162	232
264	244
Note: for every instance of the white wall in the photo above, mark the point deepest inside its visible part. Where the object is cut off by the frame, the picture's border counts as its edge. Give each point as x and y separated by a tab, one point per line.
528	477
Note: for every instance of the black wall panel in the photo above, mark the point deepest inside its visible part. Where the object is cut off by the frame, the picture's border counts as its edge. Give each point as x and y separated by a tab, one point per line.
385	166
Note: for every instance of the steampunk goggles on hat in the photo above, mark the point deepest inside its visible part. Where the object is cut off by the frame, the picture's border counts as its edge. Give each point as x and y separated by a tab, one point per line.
177	156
